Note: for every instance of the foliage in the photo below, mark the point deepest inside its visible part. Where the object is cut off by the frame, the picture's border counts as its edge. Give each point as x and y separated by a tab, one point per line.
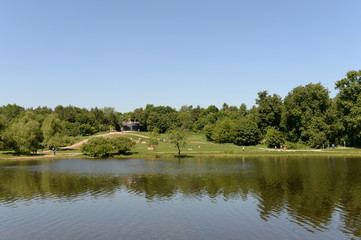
246	133
302	105
224	131
306	115
295	145
52	129
274	138
24	136
315	132
349	106
240	132
11	111
106	146
178	138
208	130
3	123
269	111
86	129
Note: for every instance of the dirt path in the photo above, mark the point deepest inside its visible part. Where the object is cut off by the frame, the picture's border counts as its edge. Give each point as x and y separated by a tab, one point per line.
294	150
78	144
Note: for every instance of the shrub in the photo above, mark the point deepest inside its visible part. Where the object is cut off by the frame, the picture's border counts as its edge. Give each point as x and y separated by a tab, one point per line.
274	138
105	146
246	133
298	145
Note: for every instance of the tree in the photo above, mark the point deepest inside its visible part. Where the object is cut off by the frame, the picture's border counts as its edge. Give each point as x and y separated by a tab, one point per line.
302	105
86	129
24	135
269	111
53	131
224	131
349	106
68	113
225	107
246	132
111	118
185	120
3	123
11	111
243	110
274	138
162	121
212	109
208	131
178	138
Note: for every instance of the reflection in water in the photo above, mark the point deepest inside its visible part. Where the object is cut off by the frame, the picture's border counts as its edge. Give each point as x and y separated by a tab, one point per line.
315	193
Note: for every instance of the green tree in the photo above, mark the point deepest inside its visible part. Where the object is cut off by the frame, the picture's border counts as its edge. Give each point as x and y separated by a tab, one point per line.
203	120
240	132
208	131
185	120
243	110
112	118
53	131
3	124
43	110
84	118
349	106
68	113
24	135
86	129
274	138
246	132
224	131
302	105
269	111
162	121
11	111
178	138
212	109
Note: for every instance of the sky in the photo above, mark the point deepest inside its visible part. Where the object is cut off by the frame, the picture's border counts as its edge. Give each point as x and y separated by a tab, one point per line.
127	54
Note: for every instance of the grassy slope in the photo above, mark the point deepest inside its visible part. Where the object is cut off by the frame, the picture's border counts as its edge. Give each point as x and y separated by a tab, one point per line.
210	149
207	149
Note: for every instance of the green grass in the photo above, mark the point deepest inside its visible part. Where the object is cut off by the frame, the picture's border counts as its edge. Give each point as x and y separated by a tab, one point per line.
198	147
210	149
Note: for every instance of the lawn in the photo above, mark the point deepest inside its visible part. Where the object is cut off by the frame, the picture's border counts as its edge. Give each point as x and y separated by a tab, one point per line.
197	146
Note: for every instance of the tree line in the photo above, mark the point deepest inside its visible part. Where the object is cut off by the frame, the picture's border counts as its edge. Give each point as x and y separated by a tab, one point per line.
306	116
28	130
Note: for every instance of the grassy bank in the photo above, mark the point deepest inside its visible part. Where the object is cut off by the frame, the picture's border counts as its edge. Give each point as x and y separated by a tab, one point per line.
197	147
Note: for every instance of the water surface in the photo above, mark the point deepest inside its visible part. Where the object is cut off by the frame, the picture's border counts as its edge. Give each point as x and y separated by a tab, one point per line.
249	198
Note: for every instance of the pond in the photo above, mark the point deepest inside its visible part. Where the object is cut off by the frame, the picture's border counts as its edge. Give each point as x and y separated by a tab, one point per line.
247	198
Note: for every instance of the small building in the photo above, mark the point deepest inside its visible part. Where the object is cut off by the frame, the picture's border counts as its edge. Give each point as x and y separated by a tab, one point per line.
131	125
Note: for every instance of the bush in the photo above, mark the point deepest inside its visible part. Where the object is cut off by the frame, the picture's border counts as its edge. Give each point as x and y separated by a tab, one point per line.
86	130
274	138
223	131
106	146
292	145
243	132
246	133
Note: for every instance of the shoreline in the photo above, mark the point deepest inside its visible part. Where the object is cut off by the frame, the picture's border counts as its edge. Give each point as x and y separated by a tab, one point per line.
270	153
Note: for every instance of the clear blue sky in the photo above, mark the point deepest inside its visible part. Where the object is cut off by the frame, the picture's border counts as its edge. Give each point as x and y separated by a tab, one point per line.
126	54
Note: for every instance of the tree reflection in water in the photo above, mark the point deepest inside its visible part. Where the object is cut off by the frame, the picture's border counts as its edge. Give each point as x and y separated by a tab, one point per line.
311	191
